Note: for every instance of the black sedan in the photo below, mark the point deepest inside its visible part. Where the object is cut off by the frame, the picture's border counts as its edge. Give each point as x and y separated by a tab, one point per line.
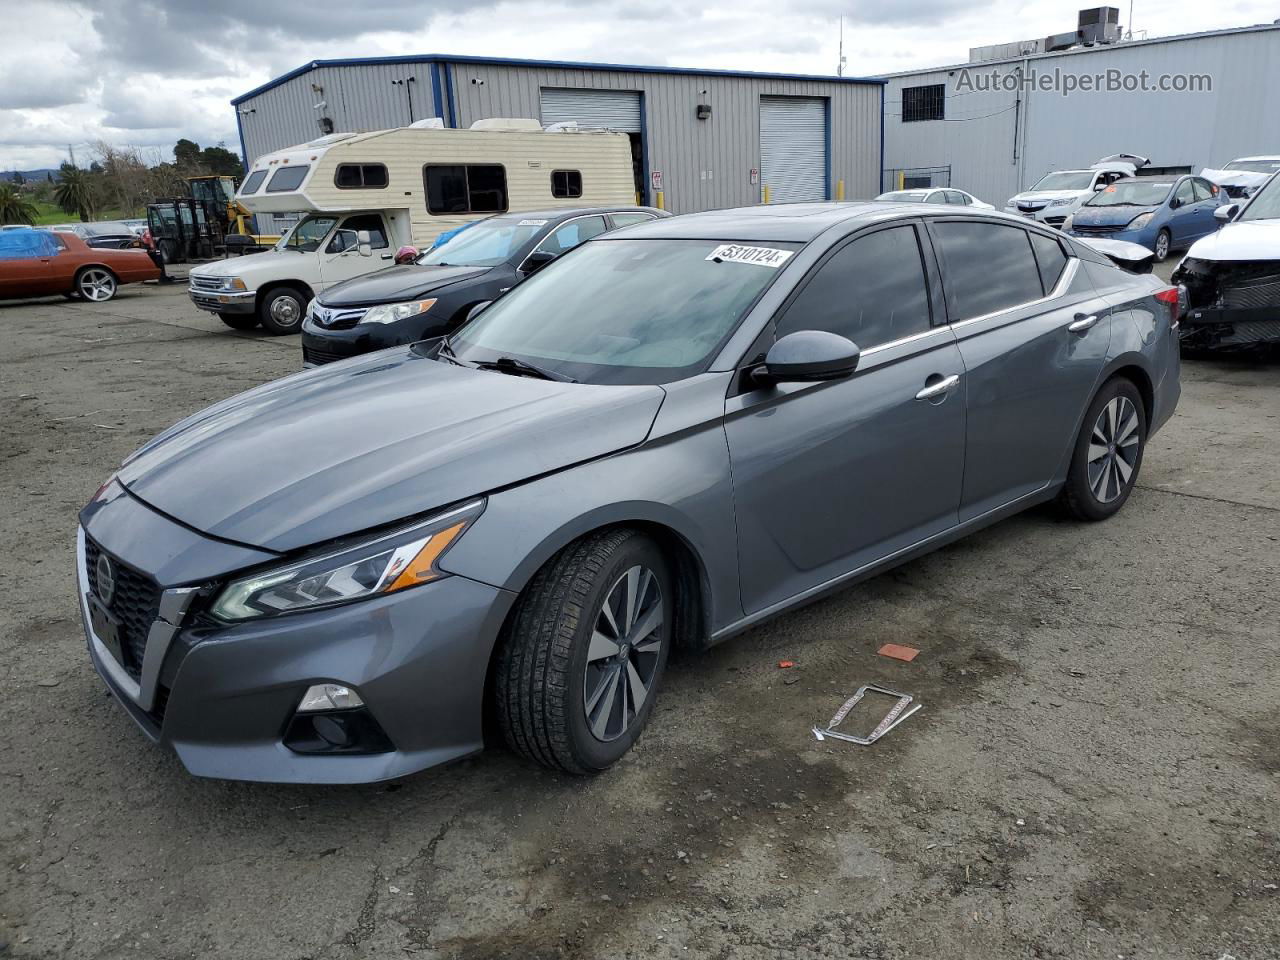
433	295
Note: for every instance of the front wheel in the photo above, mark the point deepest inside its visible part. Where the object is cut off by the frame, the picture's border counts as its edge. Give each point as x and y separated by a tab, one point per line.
583	654
281	311
239	321
1164	243
1108	452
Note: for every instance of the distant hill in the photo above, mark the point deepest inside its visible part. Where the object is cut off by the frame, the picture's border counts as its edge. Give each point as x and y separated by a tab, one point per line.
29	174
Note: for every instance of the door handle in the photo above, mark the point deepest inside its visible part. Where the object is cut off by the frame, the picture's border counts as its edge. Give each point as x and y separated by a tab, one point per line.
1082	322
938	389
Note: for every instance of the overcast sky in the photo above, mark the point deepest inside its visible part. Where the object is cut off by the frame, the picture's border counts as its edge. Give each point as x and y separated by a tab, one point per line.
146	72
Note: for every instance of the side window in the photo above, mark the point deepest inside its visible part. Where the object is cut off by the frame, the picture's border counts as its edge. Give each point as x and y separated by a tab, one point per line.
934	197
1204	189
1050	259
287	178
872	291
1185	193
954	196
624	219
987	267
566	184
474	188
360	176
568	235
255	180
365	221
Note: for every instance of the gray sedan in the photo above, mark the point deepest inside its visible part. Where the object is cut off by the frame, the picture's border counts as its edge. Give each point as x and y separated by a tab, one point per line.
666	436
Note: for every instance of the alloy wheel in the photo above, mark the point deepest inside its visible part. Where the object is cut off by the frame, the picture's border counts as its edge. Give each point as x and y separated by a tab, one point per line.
1113	449
97	285
623	658
1162	245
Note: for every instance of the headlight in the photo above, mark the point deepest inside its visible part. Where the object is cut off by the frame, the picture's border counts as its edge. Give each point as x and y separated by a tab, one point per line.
391	312
1140	221
406	558
1066	224
232	283
1061	202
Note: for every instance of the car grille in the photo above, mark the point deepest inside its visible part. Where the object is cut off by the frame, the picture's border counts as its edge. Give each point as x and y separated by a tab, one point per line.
1090	230
319	355
1264	292
205	283
1030	207
136	604
334	319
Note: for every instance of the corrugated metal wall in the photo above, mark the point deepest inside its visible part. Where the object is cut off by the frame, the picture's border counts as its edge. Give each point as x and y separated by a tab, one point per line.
1055	132
705	164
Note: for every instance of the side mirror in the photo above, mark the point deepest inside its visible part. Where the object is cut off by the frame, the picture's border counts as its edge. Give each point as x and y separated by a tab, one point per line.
537	260
809	355
364	244
1175	203
477	310
1098	187
1227	213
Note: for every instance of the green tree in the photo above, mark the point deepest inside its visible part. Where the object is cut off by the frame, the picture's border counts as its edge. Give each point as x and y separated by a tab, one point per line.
14	207
186	154
221	161
77	192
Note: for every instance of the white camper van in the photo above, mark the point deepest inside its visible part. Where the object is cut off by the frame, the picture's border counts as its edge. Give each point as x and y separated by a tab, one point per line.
363	195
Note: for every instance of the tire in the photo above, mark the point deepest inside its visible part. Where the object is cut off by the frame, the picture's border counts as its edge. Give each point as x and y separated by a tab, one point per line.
239	321
281	310
556	702
1164	244
1097	488
96	284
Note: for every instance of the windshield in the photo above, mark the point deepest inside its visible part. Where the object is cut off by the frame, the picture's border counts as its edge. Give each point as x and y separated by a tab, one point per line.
1265	204
1077	180
486	244
307	236
1254	166
1132	193
623	311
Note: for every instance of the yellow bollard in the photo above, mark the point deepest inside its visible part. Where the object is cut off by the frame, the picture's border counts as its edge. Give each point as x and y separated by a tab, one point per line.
901	178
840	191
657	201
766	194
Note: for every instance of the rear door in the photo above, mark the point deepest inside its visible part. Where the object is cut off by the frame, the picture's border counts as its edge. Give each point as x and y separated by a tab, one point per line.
829	477
1033	334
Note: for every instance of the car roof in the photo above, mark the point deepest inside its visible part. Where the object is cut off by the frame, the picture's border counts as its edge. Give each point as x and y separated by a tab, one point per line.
794	222
1269	157
911	192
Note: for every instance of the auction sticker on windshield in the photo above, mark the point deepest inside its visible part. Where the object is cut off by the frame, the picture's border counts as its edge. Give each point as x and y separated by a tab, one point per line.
532	223
760	256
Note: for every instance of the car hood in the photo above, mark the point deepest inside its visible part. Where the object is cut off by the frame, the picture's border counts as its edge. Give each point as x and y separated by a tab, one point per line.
352	446
1109	216
1235	178
1244	240
1040	195
268	261
403	282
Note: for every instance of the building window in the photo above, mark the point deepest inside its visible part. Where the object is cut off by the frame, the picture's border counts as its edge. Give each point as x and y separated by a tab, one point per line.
566	184
924	103
360	176
474	188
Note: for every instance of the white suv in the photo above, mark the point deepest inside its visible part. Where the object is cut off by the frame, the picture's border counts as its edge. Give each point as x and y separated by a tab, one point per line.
1061	193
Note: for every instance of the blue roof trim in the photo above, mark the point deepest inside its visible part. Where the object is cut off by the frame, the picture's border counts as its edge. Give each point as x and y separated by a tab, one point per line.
555	64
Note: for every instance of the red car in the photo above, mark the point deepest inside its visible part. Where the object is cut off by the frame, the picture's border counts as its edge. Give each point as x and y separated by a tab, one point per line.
36	263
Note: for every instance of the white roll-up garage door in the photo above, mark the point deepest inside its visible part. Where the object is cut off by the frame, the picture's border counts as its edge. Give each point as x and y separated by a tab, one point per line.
615	109
793	148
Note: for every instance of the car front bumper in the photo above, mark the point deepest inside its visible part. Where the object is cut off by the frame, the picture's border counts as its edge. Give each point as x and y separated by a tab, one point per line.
1049	216
1143	238
217	302
321	345
224	698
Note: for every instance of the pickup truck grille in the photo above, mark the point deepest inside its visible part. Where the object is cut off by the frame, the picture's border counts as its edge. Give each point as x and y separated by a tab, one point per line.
205	283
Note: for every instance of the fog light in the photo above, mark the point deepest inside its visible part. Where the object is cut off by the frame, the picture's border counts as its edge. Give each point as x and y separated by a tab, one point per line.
329	696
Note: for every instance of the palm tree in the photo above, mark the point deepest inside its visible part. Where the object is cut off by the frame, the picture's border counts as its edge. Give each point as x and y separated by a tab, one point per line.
76	193
14	207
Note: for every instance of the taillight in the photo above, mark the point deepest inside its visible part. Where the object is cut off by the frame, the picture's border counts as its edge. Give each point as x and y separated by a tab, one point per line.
1173	296
1168	295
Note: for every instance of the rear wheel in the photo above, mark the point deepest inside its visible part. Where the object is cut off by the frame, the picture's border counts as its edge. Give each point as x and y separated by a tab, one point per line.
97	284
281	310
1164	243
583	653
1108	453
239	321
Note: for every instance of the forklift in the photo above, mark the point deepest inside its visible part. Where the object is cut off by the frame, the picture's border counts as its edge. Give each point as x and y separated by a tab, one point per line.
218	194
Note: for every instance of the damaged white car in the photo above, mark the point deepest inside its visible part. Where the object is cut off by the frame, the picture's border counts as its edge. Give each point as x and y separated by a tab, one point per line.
1232	277
1059	194
1243	176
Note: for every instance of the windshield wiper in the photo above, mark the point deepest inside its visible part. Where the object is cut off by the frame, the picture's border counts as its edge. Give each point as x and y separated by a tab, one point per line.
520	368
446	351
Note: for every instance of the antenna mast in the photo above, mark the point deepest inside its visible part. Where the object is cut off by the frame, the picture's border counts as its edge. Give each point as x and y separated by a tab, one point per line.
840	64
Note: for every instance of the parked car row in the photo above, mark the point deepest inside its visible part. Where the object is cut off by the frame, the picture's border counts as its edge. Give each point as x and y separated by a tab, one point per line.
645	444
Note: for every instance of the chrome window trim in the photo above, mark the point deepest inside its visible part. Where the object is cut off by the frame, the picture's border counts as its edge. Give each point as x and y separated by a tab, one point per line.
564	223
173	606
1064	282
871	351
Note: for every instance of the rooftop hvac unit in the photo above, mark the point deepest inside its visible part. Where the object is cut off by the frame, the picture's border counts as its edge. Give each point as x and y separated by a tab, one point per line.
1060	41
1099	25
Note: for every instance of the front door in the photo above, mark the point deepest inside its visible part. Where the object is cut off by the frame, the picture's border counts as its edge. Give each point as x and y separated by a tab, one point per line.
1033	333
828	477
340	257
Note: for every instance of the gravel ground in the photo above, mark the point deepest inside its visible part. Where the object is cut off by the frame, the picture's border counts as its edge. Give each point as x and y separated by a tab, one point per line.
1096	771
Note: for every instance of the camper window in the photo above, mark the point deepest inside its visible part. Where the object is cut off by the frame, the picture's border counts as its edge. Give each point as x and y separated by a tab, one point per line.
252	184
475	188
360	176
287	178
566	184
